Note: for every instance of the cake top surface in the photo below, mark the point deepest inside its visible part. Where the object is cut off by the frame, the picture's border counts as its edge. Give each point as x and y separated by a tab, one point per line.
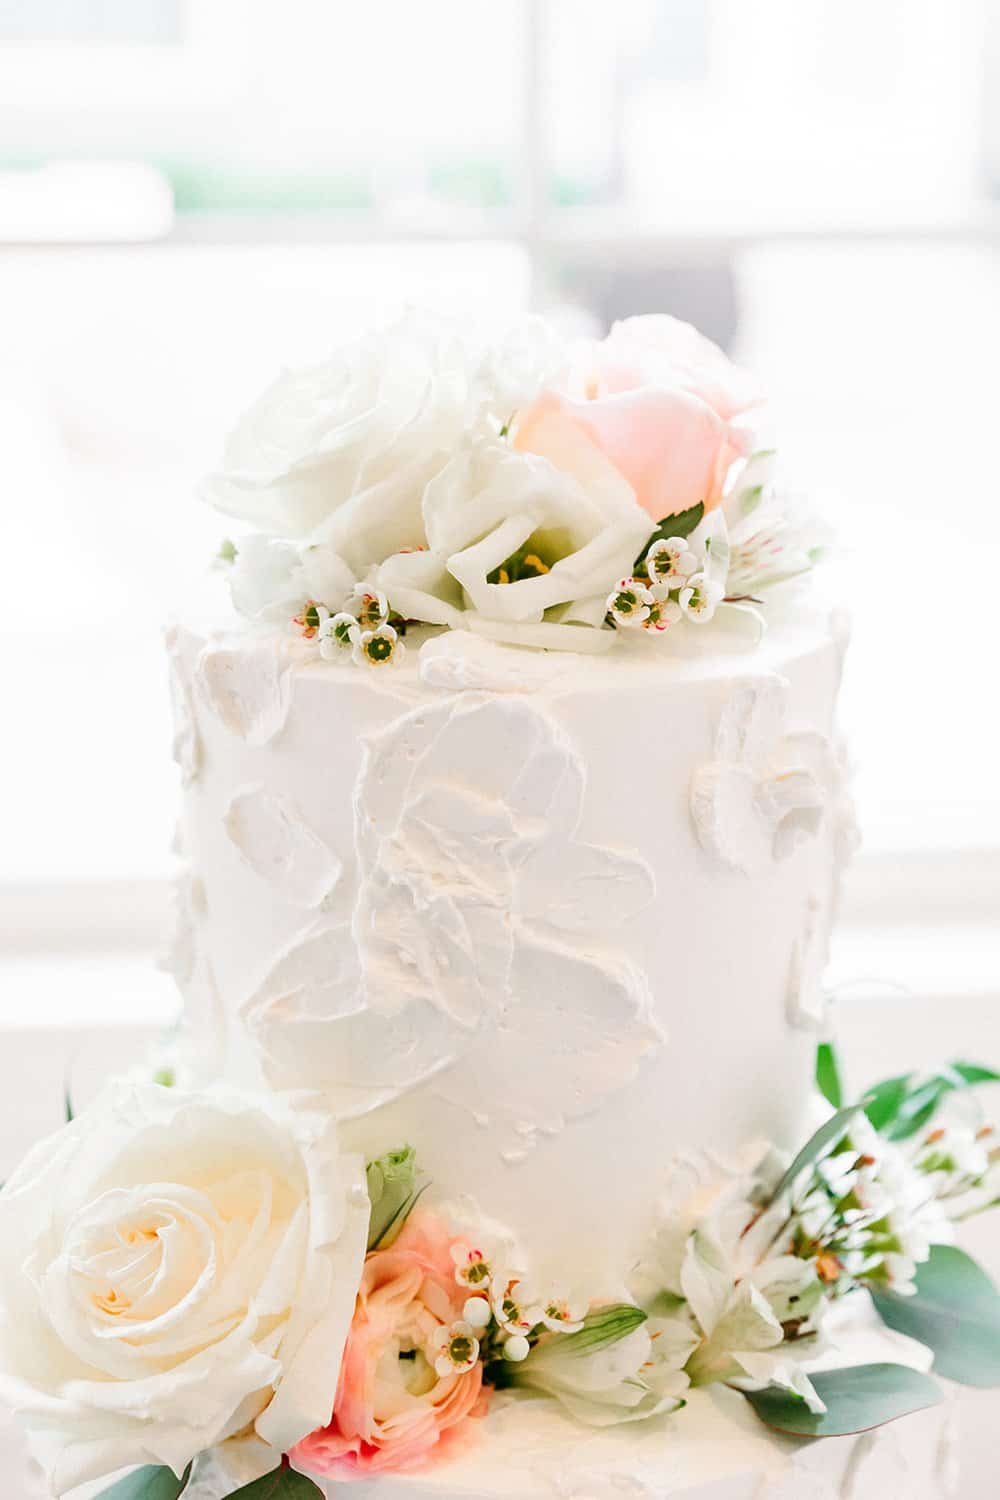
564	496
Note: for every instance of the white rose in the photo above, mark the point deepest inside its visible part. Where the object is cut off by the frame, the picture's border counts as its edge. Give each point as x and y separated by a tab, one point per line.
518	548
176	1268
352	441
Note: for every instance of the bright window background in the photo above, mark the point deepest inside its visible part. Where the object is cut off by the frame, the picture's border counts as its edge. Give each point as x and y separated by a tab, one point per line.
192	194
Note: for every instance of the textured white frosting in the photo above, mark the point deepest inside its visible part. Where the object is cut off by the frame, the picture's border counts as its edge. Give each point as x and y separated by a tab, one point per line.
549	919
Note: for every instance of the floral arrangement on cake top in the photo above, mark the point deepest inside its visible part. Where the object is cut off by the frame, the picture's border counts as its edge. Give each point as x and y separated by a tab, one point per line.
200	1282
540	492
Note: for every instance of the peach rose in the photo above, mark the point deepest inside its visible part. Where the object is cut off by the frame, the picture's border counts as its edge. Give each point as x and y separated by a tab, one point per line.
656	399
394	1406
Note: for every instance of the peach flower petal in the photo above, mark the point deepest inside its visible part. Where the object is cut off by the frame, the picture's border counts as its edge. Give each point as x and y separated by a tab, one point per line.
670	446
378	1425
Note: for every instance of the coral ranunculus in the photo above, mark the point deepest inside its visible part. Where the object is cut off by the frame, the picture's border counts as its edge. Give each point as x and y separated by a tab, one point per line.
393	1408
657	400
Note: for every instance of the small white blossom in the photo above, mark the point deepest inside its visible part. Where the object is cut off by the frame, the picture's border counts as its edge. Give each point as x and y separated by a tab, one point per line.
699	598
454	1349
337	633
663	611
369	607
311	619
514	1307
563	1314
630	603
516	1348
378	648
472	1266
671	561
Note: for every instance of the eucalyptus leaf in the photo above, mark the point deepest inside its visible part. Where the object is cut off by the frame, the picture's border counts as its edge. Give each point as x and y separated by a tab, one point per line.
856	1399
280	1484
602	1328
819	1145
955	1311
828	1074
154	1482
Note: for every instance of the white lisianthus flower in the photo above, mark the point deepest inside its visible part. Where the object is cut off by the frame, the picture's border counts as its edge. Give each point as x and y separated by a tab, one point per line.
176	1268
361	433
519	549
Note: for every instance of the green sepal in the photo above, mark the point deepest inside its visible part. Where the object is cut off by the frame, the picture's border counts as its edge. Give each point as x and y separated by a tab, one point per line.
281	1484
394	1191
857	1399
154	1482
828	1079
228	550
680	525
602	1328
955	1311
822	1144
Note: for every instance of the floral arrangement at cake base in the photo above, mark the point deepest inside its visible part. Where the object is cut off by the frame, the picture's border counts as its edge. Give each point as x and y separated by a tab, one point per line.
186	1272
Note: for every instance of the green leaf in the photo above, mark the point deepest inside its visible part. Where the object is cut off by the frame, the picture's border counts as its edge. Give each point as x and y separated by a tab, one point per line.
280	1484
154	1482
828	1074
602	1328
394	1192
955	1311
882	1102
856	1399
900	1107
923	1102
820	1145
68	1105
973	1073
680	525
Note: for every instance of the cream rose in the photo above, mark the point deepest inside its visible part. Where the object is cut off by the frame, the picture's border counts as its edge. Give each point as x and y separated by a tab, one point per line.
174	1269
349	444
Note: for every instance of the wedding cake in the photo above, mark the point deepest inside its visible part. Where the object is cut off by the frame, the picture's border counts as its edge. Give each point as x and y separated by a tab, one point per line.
513	820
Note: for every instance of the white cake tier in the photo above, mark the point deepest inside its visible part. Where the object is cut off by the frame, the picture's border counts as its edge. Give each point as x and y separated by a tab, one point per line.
549	919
